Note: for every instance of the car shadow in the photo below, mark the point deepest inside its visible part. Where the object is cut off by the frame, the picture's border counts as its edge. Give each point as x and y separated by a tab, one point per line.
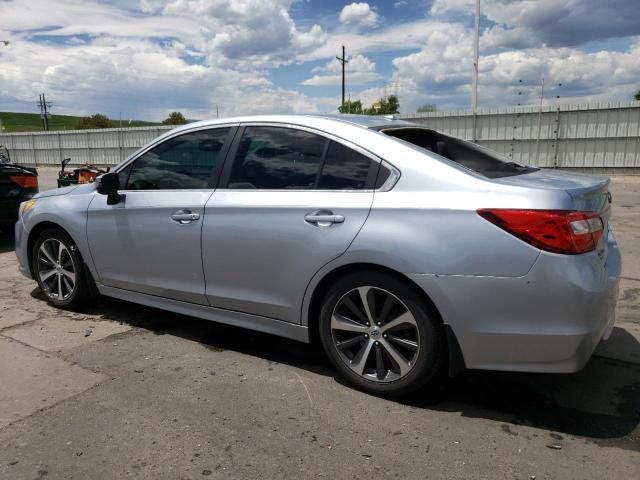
6	240
601	403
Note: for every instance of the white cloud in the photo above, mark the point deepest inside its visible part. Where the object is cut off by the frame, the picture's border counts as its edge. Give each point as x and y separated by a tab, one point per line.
360	14
150	57
401	3
556	23
441	74
188	56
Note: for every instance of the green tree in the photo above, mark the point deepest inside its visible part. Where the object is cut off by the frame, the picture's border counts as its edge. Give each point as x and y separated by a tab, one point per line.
94	121
175	118
427	107
637	96
384	106
349	106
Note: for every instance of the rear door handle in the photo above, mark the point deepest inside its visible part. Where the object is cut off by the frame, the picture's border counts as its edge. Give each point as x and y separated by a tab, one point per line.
322	219
185	216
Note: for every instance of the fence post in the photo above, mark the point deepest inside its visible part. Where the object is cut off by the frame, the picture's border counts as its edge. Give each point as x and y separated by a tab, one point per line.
60	147
556	138
33	148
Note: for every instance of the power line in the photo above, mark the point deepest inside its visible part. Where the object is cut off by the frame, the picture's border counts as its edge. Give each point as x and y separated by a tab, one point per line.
343	61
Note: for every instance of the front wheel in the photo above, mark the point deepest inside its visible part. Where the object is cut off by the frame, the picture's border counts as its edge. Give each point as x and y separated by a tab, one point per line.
58	269
380	334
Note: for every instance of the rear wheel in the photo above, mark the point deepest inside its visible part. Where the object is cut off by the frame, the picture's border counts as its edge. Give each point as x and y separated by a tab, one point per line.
59	270
380	334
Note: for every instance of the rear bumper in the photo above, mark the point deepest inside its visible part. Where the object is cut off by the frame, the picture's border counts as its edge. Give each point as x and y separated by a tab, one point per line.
549	320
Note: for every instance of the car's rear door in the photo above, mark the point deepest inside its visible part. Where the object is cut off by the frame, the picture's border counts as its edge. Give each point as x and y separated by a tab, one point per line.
150	242
290	201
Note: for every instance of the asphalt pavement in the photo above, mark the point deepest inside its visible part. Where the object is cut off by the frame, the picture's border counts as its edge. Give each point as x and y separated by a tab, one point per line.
127	391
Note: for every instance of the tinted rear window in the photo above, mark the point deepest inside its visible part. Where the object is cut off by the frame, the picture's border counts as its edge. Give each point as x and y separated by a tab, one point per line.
344	169
469	155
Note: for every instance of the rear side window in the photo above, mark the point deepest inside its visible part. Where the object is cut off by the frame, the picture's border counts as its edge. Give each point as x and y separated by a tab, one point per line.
344	169
183	162
481	160
277	158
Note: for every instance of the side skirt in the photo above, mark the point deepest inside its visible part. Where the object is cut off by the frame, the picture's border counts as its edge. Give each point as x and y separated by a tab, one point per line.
228	317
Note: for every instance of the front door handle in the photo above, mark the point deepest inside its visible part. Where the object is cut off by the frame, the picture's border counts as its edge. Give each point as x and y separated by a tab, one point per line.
185	216
323	218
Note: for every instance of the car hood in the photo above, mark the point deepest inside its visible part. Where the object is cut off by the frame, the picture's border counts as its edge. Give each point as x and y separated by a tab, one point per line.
75	189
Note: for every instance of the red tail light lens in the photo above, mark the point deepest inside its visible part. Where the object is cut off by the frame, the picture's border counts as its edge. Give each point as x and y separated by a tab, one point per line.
558	231
25	181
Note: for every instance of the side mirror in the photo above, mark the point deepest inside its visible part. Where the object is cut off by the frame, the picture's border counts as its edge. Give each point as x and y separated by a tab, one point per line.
109	184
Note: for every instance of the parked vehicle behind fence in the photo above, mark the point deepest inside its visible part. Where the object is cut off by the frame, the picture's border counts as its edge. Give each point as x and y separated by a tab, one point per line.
404	251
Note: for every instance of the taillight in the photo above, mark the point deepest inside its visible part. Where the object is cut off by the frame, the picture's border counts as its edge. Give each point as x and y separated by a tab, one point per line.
25	181
558	231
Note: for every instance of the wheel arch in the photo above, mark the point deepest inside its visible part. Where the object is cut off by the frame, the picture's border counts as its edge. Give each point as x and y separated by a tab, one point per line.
455	358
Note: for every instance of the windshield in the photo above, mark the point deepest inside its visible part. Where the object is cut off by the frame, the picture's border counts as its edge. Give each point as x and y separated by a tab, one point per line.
479	159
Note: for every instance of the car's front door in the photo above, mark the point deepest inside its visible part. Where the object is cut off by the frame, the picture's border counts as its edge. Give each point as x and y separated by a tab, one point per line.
150	242
291	201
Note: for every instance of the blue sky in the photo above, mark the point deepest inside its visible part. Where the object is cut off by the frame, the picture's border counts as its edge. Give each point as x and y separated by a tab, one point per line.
144	58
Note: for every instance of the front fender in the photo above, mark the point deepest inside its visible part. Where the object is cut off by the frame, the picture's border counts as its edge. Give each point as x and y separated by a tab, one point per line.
68	212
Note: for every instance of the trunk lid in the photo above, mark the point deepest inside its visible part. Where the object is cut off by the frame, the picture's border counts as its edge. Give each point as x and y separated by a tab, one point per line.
589	193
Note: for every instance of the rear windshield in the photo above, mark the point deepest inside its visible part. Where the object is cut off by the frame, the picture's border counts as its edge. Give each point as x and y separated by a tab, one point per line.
469	155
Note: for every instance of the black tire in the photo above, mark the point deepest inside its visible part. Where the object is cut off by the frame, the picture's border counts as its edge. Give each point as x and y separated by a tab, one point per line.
74	298
428	361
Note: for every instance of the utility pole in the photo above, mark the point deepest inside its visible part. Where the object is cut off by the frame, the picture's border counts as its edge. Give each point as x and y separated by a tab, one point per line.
44	112
343	61
474	85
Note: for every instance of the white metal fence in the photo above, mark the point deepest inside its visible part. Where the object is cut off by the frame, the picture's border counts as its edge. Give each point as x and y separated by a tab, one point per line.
568	136
107	146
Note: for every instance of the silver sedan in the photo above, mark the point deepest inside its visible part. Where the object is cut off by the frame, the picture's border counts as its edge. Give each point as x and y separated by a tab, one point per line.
403	251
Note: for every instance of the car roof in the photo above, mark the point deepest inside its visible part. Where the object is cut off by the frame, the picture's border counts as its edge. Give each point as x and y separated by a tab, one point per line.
373	122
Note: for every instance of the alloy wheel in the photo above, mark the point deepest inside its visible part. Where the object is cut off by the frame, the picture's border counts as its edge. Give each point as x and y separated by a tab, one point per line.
375	334
56	269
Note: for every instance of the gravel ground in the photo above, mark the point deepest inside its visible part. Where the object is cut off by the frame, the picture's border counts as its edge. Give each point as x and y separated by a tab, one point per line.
129	391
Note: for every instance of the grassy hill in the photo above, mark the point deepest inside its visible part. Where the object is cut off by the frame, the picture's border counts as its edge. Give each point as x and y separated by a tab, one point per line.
31	122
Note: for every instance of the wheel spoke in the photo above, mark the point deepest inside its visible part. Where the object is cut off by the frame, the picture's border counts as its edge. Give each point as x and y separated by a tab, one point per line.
380	370
364	296
338	322
397	357
67	284
360	360
70	275
405	318
60	250
47	274
389	301
48	256
403	342
346	344
347	302
59	286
